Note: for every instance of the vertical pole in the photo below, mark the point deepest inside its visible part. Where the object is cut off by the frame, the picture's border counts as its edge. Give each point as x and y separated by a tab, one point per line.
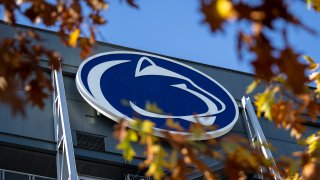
56	123
62	129
255	132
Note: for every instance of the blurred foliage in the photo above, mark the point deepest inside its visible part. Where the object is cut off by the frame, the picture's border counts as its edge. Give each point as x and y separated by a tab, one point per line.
285	101
21	79
315	4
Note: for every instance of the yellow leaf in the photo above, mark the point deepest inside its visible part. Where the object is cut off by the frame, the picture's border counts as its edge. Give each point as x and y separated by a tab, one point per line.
73	37
128	152
312	64
126	147
309	4
174	125
153	107
142	126
133	136
315	76
225	8
147	126
309	59
315	4
296	176
264	102
313	142
252	86
156	168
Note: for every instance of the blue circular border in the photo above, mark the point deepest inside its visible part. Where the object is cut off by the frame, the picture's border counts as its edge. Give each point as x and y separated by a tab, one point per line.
86	94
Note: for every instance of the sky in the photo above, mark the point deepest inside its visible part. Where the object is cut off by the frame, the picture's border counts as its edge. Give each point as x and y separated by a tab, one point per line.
175	28
171	28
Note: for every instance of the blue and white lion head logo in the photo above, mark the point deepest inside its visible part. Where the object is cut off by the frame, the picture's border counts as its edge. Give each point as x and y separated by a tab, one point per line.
182	93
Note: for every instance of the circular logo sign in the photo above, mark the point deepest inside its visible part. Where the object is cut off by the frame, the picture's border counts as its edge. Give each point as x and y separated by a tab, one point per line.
129	85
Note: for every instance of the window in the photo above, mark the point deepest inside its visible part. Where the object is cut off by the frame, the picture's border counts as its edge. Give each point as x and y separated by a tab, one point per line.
15	176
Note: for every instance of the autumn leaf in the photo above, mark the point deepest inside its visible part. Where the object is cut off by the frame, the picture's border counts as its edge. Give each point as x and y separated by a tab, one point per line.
286	116
73	37
288	167
156	168
143	126
264	102
211	15
174	125
132	3
289	64
9	15
54	60
36	95
97	19
241	162
125	137
97	4
317	81
155	154
126	146
85	46
311	171
180	171
315	4
119	131
313	142
176	140
312	64
313	108
252	86
197	130
283	112
264	62
3	83
225	9
315	77
153	107
190	156
147	127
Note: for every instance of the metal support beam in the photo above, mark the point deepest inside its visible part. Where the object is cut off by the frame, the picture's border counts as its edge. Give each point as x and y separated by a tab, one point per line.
66	165
255	133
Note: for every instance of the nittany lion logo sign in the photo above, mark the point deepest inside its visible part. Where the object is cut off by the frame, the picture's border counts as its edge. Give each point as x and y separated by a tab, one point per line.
121	85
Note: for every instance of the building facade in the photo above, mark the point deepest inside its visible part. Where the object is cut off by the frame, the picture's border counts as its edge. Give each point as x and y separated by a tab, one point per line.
28	145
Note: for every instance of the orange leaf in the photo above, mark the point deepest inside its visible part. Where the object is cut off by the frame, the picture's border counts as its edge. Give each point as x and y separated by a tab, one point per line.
285	115
311	170
293	69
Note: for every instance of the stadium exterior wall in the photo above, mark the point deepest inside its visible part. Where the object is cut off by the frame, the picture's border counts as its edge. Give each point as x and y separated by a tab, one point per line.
27	144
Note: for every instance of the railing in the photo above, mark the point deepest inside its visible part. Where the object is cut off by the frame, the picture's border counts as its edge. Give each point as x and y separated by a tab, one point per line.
86	177
66	166
4	174
137	177
255	133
